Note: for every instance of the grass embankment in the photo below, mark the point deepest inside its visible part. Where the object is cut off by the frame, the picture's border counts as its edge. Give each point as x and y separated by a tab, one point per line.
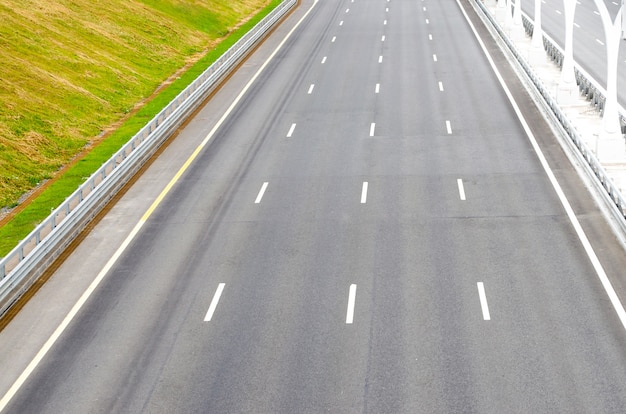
71	69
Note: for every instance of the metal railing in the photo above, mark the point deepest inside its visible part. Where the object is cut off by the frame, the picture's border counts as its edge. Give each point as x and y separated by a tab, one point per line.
596	168
587	86
21	267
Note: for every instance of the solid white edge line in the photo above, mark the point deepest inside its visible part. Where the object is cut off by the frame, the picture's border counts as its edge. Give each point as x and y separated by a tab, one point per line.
591	254
214	301
483	301
364	192
259	197
461	189
351	302
291	130
92	287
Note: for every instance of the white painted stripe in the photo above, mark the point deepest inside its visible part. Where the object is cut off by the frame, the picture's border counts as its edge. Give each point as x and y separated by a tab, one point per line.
448	127
290	133
216	299
378	88
591	254
333	39
311	89
364	192
347	10
101	275
441	86
483	301
461	189
430	37
383	38
323	60
386	9
351	303
259	197
427	22
600	41
380	59
435	58
577	25
341	23
372	128
385	22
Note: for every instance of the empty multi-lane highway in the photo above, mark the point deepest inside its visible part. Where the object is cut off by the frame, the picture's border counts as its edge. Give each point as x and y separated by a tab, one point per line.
360	220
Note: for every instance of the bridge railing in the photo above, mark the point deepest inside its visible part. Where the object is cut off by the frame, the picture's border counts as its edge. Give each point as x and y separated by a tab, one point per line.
595	90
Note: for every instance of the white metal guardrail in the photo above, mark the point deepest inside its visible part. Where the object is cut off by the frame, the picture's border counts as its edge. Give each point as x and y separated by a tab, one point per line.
587	85
25	263
612	192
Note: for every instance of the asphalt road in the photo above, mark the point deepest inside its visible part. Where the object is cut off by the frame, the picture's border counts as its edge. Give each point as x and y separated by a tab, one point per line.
369	230
589	38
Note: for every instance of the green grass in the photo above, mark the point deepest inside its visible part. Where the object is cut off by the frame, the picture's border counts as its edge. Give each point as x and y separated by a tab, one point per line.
45	139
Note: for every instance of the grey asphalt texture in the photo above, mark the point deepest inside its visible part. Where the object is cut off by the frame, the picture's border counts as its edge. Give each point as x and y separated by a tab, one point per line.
278	341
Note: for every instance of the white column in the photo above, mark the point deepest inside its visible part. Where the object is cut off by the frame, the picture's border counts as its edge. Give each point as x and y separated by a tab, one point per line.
508	18
612	34
537	41
567	73
500	10
567	92
624	19
517	14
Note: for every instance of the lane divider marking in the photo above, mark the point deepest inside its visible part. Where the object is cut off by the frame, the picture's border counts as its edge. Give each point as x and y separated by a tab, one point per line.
364	192
351	303
582	236
291	130
216	299
483	301
259	197
461	189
